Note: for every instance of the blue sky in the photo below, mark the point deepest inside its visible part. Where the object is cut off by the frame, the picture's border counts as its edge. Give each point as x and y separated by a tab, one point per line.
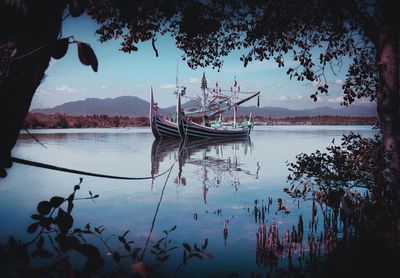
133	74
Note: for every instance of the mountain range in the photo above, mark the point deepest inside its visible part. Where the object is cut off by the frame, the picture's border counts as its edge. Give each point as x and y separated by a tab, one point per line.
133	106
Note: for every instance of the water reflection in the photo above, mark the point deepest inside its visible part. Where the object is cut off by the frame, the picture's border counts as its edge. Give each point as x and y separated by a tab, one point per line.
216	191
211	161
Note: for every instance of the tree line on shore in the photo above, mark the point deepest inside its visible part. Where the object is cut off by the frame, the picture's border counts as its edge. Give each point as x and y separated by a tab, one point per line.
40	120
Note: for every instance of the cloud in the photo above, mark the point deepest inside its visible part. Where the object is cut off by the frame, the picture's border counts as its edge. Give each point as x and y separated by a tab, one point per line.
66	89
168	86
290	98
335	100
193	80
279	85
339	82
42	92
103	87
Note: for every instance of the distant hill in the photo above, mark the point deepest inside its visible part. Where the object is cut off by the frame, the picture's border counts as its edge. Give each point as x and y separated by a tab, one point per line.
121	106
134	107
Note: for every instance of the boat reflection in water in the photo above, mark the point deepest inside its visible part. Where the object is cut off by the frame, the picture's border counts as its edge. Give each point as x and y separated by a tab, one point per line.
211	160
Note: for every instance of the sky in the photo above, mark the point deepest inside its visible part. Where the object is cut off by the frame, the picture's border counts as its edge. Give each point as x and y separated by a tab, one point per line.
123	74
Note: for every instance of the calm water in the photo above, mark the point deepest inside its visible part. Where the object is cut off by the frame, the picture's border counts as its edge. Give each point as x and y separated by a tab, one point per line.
211	183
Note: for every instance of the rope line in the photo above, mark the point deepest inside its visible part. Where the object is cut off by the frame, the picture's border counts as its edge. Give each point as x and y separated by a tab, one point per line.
62	169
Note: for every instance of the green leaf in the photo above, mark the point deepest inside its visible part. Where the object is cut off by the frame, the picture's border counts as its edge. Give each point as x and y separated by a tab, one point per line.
56	201
44	207
32	228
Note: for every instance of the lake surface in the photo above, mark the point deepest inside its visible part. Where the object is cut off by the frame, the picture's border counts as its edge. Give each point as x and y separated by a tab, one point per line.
212	186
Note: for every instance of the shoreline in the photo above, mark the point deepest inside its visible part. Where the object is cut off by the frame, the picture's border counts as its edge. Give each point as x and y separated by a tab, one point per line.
62	121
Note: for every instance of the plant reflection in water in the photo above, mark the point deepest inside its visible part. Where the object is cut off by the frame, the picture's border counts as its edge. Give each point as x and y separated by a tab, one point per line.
284	240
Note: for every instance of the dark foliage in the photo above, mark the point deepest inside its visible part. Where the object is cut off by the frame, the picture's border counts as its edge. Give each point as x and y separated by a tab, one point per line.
355	176
56	242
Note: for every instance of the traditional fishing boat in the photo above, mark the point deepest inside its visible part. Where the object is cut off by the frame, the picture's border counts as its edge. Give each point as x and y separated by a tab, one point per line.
188	129
160	126
213	103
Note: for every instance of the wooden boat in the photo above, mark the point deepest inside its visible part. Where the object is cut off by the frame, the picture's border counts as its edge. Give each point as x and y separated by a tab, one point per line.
185	128
160	126
188	129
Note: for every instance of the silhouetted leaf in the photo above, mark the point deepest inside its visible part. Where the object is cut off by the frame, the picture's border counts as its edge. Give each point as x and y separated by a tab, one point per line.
64	221
172	229
90	193
87	55
32	228
71	197
68	242
77	7
184	257
127	247
59	48
93	265
187	247
40	242
204	246
35	216
42	253
116	256
12	242
122	239
125	233
46	222
197	255
56	201
88	250
70	206
96	196
44	207
77	187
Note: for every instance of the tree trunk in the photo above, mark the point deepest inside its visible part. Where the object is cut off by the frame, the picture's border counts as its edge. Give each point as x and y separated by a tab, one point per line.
388	91
32	27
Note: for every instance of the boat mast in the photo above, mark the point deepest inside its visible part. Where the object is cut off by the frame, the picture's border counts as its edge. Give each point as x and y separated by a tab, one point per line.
204	102
235	106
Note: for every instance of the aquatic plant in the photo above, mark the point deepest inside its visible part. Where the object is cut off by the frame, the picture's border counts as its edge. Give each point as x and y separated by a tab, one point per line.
355	183
57	247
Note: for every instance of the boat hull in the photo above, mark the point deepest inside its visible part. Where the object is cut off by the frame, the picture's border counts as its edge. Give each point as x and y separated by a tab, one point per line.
162	128
193	130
